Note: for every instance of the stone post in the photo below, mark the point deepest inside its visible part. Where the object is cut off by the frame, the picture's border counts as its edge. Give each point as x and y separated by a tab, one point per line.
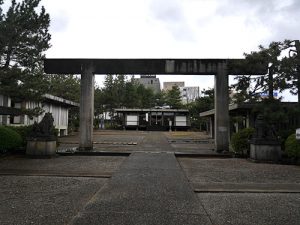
221	109
86	108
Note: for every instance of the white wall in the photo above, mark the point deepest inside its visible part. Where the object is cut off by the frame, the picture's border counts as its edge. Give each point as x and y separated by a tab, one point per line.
59	113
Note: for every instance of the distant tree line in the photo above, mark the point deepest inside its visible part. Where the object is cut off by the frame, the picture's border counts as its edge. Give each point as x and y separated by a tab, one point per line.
119	91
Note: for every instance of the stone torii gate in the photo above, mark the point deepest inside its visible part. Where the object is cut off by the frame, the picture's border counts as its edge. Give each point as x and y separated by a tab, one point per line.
220	68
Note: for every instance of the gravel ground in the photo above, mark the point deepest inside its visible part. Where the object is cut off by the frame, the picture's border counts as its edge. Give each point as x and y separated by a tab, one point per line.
251	209
237	171
44	200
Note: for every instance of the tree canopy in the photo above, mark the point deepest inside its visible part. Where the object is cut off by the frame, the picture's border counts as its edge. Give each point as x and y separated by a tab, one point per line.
283	72
24	38
119	92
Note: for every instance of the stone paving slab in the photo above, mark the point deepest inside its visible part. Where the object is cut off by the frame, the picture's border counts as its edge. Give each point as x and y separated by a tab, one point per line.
252	208
149	188
200	170
96	166
132	218
142	141
247	187
44	200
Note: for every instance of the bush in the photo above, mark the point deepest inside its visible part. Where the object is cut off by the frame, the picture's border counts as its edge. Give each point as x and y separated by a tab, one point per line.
239	140
292	146
9	139
24	131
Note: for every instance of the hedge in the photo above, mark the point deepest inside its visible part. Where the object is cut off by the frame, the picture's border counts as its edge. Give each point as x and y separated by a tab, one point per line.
292	146
24	132
239	140
9	139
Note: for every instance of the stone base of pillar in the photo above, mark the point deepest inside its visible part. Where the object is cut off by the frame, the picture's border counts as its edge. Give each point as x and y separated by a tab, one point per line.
41	148
85	149
265	152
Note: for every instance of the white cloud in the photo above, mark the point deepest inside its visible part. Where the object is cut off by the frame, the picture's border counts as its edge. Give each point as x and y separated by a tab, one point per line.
168	28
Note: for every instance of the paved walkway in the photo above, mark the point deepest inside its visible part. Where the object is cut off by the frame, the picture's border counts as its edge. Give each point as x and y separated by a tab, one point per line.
149	188
118	141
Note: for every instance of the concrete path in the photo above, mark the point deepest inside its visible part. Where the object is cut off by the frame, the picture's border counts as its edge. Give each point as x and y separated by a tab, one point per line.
117	141
150	188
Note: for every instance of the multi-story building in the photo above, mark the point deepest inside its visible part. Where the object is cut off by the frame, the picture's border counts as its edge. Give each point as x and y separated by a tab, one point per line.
149	81
189	94
168	85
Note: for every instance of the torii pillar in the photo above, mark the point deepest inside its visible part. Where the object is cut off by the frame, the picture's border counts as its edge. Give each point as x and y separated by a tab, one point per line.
218	67
221	109
86	108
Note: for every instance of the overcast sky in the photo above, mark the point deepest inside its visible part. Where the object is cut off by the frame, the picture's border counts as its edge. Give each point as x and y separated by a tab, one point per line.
168	28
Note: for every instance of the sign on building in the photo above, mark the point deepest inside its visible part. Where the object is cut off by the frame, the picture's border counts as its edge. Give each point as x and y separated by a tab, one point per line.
298	134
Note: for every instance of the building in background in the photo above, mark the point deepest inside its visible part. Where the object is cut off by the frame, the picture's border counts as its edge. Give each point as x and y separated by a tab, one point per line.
168	85
59	108
189	94
154	119
149	81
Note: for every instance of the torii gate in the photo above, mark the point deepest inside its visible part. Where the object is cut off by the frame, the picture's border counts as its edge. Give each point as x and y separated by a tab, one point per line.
220	68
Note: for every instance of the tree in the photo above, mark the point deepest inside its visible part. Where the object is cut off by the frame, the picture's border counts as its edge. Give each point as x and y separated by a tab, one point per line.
249	87
283	72
146	97
131	99
24	38
109	93
173	98
201	104
290	67
64	86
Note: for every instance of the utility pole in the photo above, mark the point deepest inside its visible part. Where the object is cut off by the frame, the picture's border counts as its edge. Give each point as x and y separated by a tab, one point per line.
297	46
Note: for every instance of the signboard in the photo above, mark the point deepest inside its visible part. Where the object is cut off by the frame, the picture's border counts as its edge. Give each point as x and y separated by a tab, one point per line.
131	120
298	134
180	121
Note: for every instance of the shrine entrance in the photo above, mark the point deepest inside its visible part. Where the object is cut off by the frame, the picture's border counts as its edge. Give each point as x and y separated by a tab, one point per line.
220	68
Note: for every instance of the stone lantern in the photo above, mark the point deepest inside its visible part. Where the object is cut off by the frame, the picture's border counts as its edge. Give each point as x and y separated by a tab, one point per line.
264	145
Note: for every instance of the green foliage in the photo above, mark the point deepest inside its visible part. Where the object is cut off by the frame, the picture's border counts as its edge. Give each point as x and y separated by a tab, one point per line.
239	140
66	86
23	131
119	92
282	71
24	39
9	139
279	115
292	146
202	104
173	98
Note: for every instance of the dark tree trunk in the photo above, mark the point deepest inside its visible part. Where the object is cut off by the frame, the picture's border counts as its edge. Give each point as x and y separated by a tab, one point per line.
270	83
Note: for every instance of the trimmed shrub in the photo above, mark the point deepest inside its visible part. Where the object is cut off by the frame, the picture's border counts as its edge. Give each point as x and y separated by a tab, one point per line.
292	146
24	131
239	140
9	139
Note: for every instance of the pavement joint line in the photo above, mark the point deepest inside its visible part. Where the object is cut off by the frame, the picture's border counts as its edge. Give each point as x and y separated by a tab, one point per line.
56	175
245	191
246	187
104	143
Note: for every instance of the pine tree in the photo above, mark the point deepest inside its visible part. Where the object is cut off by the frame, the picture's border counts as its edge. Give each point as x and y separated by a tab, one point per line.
173	98
24	38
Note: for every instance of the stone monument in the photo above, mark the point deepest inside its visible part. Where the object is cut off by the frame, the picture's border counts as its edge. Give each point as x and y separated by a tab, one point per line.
264	145
42	141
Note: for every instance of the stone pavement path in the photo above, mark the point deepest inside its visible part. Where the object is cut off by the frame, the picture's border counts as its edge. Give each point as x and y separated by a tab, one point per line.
149	188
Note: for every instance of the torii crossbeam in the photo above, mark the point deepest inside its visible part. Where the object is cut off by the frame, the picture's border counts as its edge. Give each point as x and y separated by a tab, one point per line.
221	68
